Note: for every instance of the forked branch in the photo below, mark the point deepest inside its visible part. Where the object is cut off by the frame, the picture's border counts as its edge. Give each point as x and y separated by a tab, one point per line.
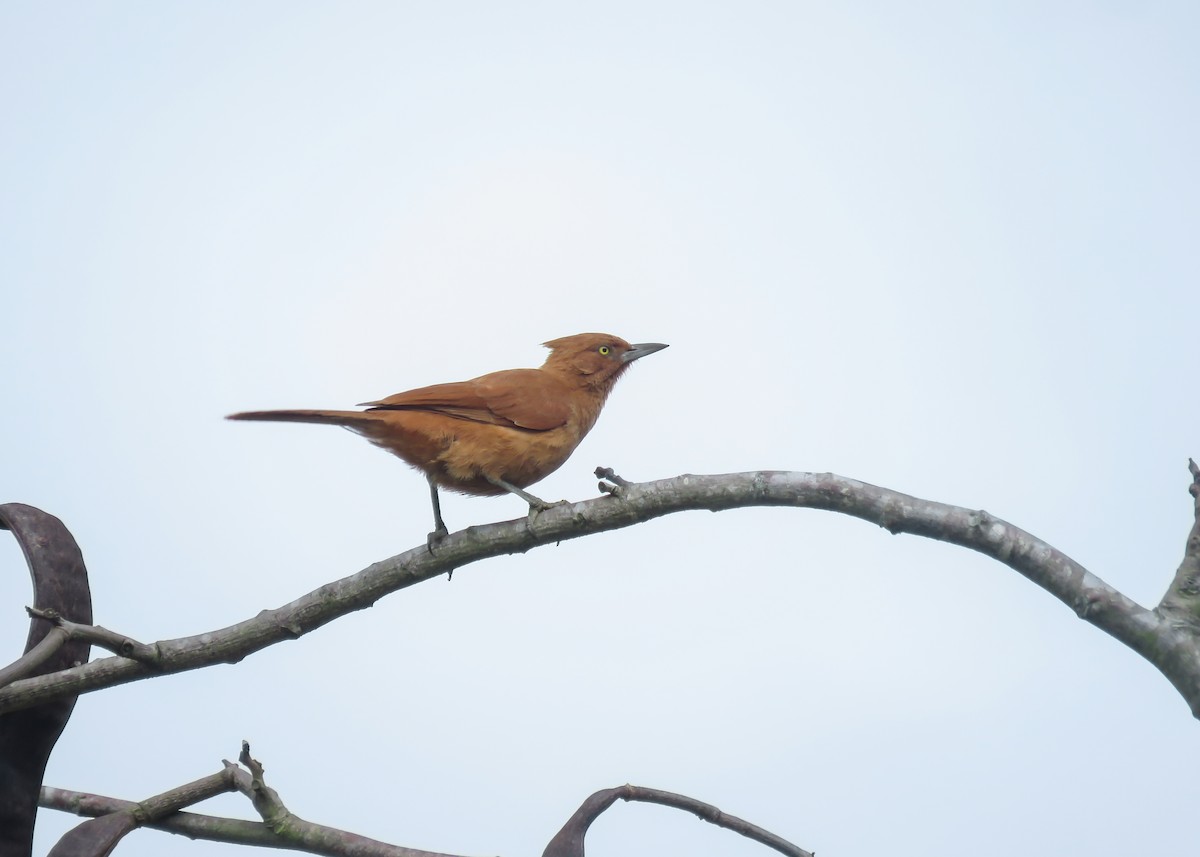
100	836
113	819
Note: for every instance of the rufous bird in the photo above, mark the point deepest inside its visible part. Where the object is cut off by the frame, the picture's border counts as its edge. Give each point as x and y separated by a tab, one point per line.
497	433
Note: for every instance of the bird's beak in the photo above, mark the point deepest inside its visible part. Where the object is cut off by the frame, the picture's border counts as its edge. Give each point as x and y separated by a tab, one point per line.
640	350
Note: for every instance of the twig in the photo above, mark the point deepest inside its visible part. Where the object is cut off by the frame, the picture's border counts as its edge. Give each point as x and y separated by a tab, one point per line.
612	483
118	644
63	630
1181	602
294	832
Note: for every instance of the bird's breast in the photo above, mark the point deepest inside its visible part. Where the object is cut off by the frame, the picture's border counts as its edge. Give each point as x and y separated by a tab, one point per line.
514	455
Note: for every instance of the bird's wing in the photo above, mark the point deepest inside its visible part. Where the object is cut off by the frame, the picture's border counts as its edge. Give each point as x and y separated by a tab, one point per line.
519	398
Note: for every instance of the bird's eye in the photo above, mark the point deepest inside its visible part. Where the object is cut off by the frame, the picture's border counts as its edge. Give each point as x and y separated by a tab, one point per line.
605	350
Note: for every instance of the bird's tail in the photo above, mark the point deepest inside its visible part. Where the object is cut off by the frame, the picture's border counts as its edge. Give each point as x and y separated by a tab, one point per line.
350	419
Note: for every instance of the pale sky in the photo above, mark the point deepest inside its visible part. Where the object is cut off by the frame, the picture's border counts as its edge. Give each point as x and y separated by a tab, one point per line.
948	248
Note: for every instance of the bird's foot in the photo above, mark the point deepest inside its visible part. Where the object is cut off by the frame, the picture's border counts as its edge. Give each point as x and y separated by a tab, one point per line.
540	506
436	537
613	483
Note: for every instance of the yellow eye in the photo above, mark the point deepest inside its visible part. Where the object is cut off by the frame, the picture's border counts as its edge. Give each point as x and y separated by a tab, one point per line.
605	350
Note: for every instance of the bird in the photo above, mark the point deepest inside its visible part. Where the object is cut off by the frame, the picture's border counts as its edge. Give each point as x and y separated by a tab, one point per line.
495	434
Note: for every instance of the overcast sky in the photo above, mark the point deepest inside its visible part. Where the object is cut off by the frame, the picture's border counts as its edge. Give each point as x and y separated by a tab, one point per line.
948	248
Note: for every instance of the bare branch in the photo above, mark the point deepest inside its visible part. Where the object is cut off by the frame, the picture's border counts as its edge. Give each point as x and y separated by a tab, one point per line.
101	835
189	824
294	832
279	829
568	842
1170	647
709	813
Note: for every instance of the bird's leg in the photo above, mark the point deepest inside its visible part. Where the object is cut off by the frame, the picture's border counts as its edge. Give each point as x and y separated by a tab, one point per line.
535	503
439	526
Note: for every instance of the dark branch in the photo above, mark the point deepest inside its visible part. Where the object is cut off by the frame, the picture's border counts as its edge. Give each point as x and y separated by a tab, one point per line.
1168	646
60	583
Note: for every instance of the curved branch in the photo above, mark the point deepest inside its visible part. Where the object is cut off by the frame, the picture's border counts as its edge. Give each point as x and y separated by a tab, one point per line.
41	652
27	737
1171	647
568	842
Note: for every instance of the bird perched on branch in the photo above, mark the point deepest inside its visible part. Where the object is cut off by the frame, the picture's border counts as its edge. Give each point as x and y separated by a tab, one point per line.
499	432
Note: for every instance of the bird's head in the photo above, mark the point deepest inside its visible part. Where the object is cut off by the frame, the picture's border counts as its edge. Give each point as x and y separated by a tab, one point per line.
595	359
